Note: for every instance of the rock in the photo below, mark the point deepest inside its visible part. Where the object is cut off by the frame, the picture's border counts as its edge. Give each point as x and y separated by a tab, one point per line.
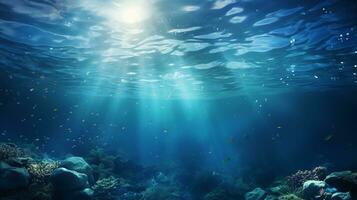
278	190
224	191
130	196
312	189
341	196
78	164
13	177
289	197
344	181
271	197
63	179
256	194
330	190
86	194
167	192
204	183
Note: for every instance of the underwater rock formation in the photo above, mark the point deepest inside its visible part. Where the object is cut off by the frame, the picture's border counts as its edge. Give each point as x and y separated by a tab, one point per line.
297	180
289	197
64	179
313	189
280	189
271	197
256	194
35	178
337	185
225	191
85	194
40	191
13	177
161	192
341	196
69	184
78	164
204	183
344	181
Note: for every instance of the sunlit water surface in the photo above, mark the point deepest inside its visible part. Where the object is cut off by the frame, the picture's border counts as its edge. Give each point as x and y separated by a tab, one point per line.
179	49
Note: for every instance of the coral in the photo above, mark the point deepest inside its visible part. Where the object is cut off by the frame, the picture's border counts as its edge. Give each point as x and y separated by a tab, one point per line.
128	169
41	171
281	187
297	180
102	163
106	188
9	150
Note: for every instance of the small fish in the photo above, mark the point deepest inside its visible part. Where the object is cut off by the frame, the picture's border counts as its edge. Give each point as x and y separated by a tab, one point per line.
227	160
329	137
232	140
349	145
245	136
321	193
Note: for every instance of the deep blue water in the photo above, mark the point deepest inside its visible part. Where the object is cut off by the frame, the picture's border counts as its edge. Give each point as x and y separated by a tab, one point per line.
225	86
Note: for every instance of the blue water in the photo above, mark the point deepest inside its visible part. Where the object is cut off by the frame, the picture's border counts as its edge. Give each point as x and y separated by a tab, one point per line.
233	87
180	49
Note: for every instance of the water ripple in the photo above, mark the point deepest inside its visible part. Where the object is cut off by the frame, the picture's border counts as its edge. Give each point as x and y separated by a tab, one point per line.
205	48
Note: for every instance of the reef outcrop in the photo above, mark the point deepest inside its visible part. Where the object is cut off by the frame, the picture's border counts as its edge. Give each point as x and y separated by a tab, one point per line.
313	184
256	194
99	175
344	181
12	178
78	164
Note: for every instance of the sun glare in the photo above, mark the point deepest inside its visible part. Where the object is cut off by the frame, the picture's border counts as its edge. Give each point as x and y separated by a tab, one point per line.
133	12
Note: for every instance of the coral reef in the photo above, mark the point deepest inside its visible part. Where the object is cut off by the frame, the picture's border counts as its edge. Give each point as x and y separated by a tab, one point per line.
10	150
103	164
310	185
297	180
106	188
116	178
41	171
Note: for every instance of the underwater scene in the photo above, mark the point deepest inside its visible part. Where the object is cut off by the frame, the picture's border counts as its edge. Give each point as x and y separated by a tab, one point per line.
178	100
